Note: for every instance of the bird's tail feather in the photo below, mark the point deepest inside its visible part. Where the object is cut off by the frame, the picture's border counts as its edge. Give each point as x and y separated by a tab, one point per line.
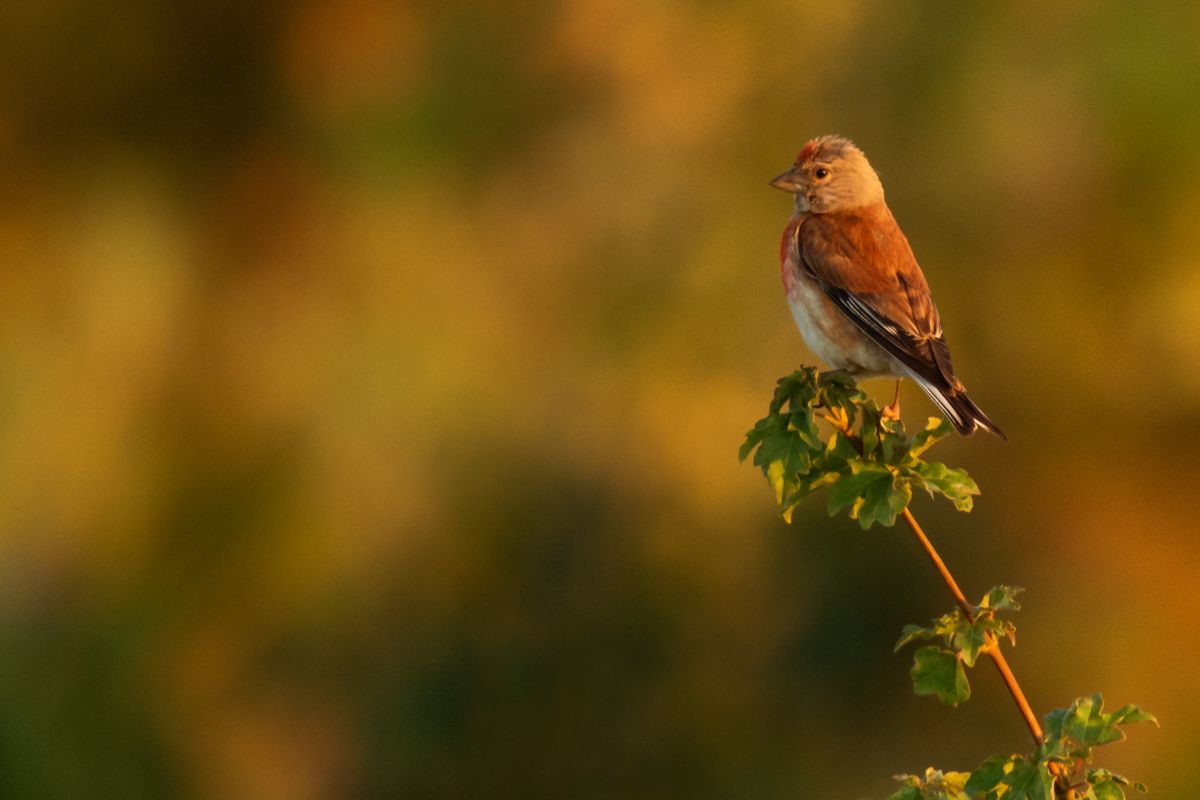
961	410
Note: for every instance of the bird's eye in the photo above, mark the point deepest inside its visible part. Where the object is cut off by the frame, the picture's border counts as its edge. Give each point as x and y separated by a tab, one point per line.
821	173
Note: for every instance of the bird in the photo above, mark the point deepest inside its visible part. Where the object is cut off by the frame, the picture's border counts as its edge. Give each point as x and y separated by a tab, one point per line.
855	288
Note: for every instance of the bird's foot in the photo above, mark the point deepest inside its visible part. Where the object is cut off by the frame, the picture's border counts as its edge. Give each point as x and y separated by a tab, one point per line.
892	411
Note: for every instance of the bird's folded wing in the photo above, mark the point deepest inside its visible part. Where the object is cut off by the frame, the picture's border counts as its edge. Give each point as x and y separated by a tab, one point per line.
864	264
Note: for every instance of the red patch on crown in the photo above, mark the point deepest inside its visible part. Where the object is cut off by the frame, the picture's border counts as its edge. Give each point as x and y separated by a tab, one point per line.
806	152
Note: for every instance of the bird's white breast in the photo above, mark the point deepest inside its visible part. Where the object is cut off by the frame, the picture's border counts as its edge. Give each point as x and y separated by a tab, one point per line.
829	334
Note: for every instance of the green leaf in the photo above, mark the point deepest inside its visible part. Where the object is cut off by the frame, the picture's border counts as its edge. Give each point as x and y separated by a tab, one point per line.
938	671
804	425
1108	790
988	775
1029	782
840	448
801	488
954	785
1087	723
797	389
1073	732
911	633
870	428
753	437
883	500
937	428
1130	714
969	641
1109	786
953	484
838	390
786	457
871	471
1002	598
1055	720
850	488
936	785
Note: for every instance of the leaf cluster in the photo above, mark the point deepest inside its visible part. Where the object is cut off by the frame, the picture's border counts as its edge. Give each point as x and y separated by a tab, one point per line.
1060	768
939	669
1072	734
869	463
934	785
871	466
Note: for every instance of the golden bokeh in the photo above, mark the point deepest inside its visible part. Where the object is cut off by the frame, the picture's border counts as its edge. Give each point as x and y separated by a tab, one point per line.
373	373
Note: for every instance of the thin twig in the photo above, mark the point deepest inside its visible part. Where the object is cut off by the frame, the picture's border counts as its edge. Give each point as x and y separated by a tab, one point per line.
991	647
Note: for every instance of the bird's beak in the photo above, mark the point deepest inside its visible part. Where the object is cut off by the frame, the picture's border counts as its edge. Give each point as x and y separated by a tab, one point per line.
788	181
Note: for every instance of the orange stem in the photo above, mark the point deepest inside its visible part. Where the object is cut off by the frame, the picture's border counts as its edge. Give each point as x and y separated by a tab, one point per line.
992	648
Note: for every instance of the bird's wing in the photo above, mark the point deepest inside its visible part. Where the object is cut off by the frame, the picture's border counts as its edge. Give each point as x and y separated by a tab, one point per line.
863	262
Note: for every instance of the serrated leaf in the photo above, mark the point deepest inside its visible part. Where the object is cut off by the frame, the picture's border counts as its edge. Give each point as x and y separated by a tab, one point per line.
892	448
797	492
1027	781
1107	790
1100	775
882	501
1074	731
912	633
988	775
1130	714
849	488
871	472
788	461
936	785
952	483
753	437
803	424
997	627
938	671
969	642
948	625
1055	719
1087	723
937	428
838	390
840	448
771	433
1002	598
797	389
803	487
870	429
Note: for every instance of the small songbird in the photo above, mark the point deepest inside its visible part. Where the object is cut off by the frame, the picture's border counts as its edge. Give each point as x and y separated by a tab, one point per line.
855	289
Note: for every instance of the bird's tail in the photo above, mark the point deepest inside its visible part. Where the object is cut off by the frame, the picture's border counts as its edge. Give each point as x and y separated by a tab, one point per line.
961	410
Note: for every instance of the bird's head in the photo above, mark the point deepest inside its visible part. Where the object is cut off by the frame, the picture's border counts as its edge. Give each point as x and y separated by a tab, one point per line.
831	174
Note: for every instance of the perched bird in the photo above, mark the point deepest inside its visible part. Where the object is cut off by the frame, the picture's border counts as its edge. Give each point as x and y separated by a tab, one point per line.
855	289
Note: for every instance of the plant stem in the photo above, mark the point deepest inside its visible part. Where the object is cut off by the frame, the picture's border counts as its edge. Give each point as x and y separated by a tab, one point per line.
992	648
841	421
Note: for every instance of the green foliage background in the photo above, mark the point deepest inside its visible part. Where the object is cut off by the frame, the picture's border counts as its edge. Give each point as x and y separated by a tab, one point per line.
372	374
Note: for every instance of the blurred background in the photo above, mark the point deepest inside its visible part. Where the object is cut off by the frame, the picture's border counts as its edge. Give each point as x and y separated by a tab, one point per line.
372	375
